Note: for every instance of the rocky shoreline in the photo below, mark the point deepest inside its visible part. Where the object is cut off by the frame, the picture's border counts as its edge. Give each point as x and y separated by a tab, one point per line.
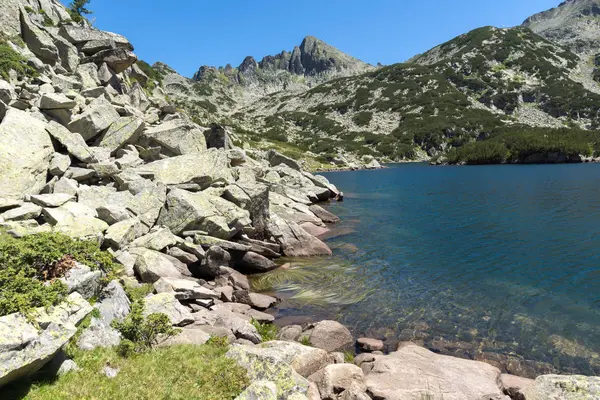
88	151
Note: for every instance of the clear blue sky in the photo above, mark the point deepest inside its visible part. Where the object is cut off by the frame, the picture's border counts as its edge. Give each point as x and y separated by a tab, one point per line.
189	33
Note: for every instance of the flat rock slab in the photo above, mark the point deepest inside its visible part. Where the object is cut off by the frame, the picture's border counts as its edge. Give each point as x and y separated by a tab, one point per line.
414	372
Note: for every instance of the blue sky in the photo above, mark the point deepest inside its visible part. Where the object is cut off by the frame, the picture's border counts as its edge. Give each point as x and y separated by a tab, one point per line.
189	33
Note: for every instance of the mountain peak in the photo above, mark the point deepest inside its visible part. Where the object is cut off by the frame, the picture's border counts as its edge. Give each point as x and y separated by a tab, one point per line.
313	57
574	23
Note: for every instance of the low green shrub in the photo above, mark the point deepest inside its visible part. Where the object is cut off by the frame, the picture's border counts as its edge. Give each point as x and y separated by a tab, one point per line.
11	60
141	334
267	331
30	266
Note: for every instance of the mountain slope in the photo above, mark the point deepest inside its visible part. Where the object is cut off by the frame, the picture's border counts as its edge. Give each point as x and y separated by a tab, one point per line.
574	23
467	89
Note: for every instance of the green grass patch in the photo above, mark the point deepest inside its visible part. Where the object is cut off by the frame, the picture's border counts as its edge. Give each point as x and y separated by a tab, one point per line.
178	372
267	331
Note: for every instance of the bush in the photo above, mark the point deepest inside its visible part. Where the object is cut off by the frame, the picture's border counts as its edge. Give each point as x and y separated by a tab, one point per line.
267	331
140	333
363	118
11	60
29	267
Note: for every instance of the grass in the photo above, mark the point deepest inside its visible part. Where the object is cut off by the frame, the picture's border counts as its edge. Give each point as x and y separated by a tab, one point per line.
267	331
178	372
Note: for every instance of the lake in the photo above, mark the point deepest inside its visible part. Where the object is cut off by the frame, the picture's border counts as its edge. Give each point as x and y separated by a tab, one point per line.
497	263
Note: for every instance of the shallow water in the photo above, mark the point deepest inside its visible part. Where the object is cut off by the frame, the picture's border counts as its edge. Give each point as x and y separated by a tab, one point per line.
497	263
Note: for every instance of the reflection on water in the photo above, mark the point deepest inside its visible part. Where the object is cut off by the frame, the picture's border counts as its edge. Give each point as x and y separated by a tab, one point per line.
496	263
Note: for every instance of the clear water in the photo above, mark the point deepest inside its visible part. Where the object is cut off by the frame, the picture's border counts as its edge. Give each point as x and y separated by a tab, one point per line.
500	263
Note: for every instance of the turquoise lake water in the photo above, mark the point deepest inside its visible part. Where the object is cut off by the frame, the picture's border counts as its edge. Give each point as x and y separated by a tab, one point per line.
489	262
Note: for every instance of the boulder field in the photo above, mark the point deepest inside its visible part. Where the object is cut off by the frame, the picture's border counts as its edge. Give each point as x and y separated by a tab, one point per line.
87	151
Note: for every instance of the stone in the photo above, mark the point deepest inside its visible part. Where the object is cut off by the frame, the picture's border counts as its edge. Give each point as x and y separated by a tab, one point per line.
83	280
98	335
54	101
73	142
563	387
24	212
59	163
66	186
331	336
295	241
263	363
118	59
426	374
79	35
370	344
215	259
103	196
337	378
151	265
124	232
51	200
217	137
7	204
290	333
38	41
238	323
187	336
113	303
74	224
95	118
25	152
255	300
111	214
110	372
253	197
354	392
185	210
7	92
305	360
176	137
259	390
323	214
69	59
183	256
88	75
67	366
184	289
122	132
26	348
255	263
157	239
201	168
275	158
166	303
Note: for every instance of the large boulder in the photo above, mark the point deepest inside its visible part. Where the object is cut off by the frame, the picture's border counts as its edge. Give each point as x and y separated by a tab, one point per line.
118	59
275	158
337	378
74	220
95	118
563	387
26	348
166	303
25	153
174	138
83	280
294	240
73	142
125	130
331	336
267	364
202	169
305	360
151	265
79	35
38	41
184	289
185	211
414	372
253	197
217	137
